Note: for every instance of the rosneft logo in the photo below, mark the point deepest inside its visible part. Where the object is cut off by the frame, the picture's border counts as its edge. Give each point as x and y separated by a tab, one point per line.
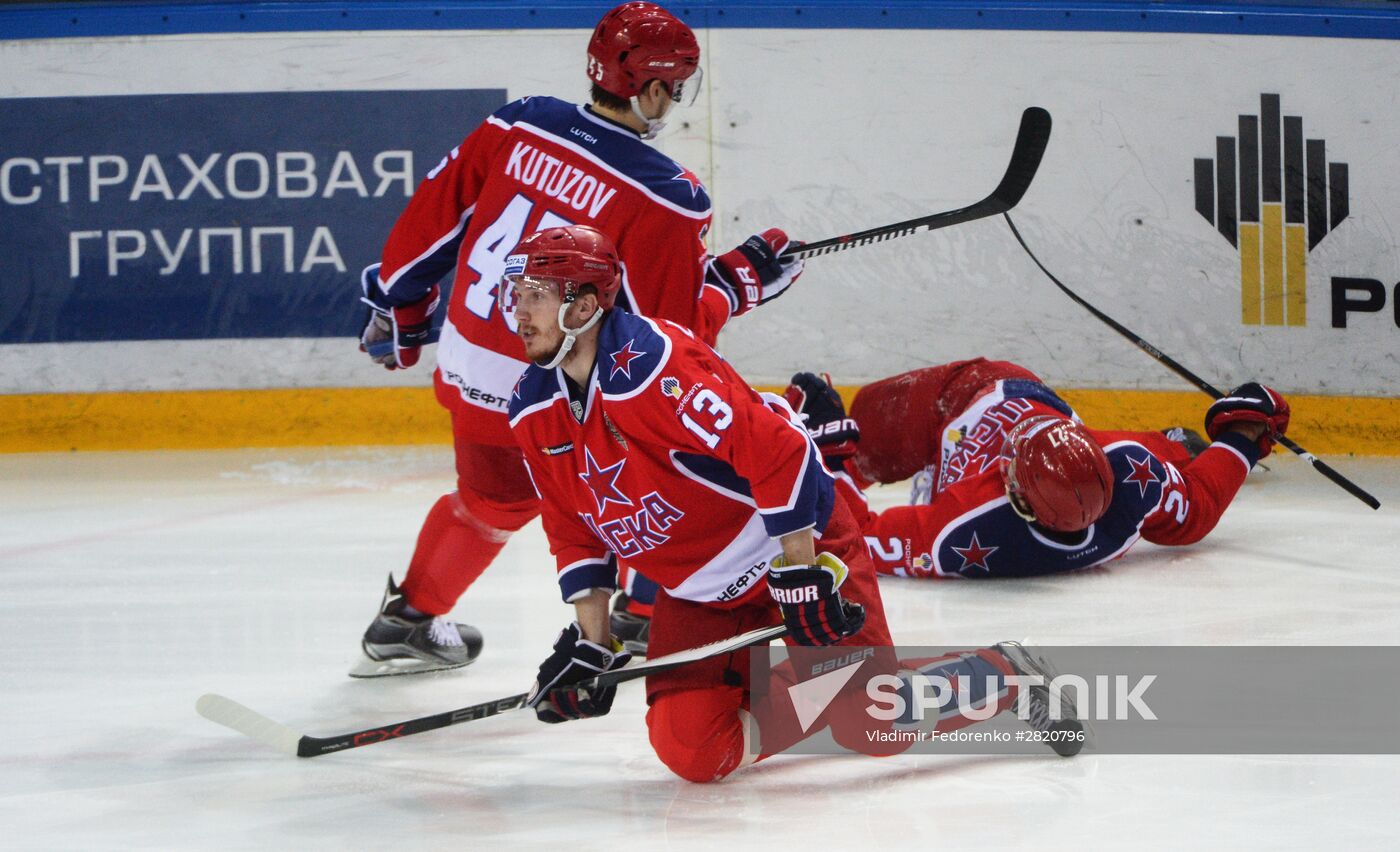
1274	196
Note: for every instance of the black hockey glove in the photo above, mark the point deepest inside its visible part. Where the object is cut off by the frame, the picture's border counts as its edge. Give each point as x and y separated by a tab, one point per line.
824	415
810	598
754	272
1250	403
555	696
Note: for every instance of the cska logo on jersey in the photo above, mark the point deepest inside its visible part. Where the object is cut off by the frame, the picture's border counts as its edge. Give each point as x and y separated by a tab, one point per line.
1142	475
640	531
975	555
622	360
602	481
686	176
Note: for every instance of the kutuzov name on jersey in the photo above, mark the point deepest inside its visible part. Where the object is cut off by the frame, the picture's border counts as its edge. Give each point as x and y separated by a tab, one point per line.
567	183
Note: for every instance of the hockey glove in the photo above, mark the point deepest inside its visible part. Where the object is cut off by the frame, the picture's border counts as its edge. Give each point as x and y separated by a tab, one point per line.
810	598
754	273
555	696
1250	403
408	327
824	415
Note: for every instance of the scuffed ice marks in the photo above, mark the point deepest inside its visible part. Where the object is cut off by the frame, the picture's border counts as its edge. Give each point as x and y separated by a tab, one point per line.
399	470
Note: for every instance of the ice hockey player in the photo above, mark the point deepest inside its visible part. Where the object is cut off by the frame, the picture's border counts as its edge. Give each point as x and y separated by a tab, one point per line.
649	450
539	162
1009	483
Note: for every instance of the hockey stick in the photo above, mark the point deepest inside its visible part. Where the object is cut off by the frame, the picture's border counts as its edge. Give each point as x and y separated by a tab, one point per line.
231	714
1031	140
1321	466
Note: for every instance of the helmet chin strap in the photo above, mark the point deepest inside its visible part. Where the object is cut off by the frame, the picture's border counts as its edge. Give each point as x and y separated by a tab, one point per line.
653	125
570	335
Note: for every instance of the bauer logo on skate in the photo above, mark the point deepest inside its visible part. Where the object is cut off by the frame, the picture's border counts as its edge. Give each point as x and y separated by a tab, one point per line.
1274	196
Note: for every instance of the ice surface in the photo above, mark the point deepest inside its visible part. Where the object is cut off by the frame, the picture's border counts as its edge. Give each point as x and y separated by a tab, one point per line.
134	582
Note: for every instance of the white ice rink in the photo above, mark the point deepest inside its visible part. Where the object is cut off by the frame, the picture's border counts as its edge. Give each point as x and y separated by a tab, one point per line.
134	582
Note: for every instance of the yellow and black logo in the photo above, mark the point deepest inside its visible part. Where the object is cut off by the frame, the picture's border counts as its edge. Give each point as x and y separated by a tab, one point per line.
1274	196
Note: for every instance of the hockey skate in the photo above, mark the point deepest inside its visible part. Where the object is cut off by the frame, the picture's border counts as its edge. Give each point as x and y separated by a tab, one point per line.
1066	735
398	644
1188	438
921	487
630	629
1195	444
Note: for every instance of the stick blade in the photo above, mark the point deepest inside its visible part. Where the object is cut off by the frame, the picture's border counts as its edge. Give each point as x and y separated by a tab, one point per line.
250	723
1031	140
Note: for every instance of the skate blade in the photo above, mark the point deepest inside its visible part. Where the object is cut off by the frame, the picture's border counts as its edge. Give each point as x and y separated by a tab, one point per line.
367	668
1024	648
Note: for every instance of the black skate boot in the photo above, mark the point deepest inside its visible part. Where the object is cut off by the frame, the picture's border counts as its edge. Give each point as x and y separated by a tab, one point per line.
397	644
629	628
1066	735
1188	438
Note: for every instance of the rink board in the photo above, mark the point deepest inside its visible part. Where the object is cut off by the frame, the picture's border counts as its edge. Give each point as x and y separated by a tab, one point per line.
1236	210
338	416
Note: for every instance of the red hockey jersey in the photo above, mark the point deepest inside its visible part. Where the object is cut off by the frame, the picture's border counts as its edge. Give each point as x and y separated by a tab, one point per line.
669	462
968	528
534	164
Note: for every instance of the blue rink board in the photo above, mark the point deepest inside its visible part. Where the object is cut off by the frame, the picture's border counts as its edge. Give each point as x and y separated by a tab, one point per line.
95	264
1333	20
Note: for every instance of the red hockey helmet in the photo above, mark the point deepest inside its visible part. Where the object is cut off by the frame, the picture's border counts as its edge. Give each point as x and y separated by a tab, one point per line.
1055	474
565	258
638	42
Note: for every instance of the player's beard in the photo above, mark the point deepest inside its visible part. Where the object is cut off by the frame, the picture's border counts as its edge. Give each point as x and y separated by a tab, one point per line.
537	340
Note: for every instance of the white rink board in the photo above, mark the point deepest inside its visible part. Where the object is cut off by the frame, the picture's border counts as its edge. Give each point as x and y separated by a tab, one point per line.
831	131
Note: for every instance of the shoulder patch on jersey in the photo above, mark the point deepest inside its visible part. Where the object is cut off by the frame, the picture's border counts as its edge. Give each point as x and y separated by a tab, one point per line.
531	108
535	386
1027	389
621	360
627	153
974	554
672	181
1137	472
631	351
1142	475
688	177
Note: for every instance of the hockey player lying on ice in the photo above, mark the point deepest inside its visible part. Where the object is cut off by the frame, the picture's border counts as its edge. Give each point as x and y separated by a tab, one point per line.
1008	482
648	449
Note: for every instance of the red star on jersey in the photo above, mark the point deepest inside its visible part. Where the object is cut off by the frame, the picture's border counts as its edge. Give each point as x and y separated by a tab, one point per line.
687	176
1142	475
975	555
603	481
622	360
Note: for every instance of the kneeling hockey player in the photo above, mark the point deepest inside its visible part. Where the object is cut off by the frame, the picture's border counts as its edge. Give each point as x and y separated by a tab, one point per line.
649	450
